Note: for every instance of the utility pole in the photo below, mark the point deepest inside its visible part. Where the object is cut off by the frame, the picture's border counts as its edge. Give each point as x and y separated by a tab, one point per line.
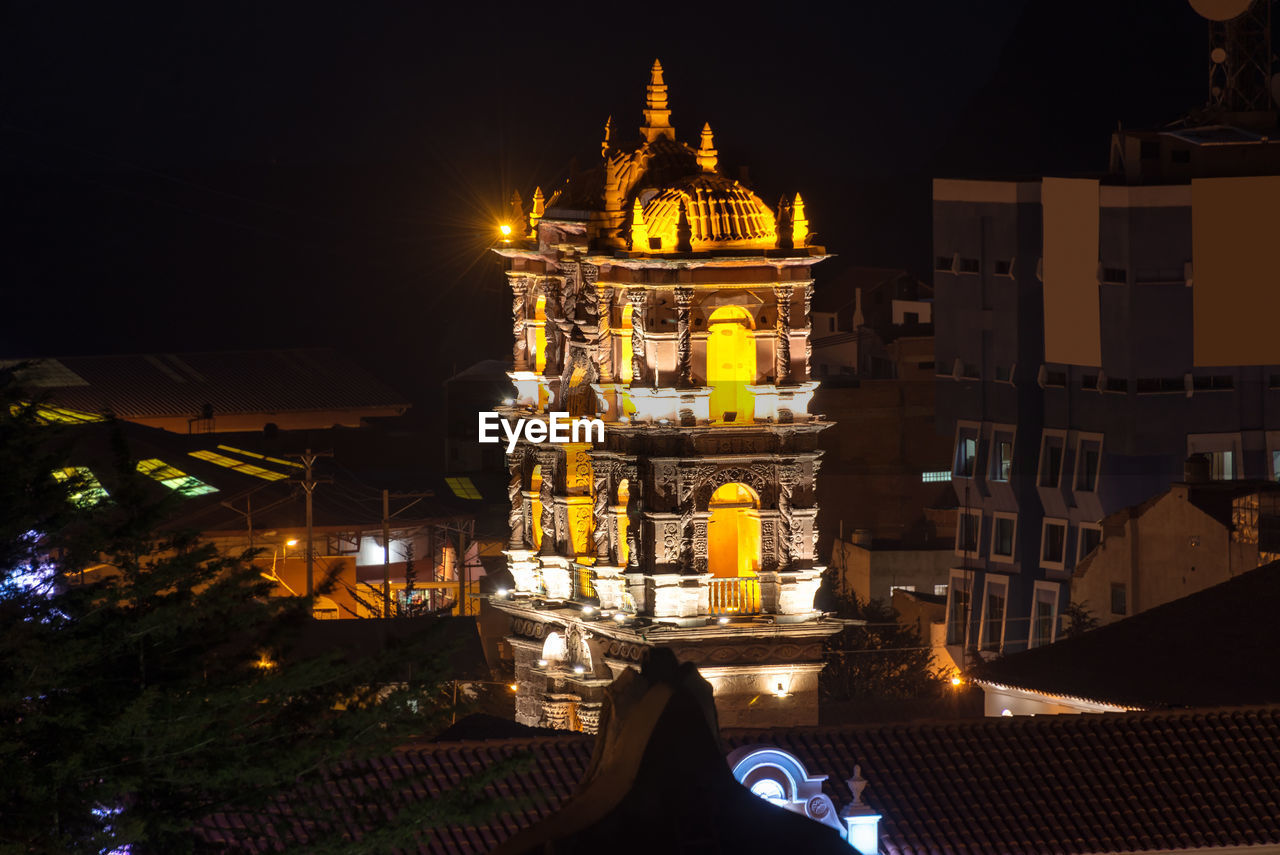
386	539
309	484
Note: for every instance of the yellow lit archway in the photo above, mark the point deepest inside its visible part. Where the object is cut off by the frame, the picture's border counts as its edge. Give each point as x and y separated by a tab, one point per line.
731	364
539	325
733	532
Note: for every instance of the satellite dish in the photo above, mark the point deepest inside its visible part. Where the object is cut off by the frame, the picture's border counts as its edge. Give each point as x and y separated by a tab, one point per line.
1221	10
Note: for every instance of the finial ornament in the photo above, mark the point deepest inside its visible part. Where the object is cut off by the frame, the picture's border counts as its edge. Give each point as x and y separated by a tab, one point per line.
707	151
857	784
604	146
657	116
639	231
539	208
799	224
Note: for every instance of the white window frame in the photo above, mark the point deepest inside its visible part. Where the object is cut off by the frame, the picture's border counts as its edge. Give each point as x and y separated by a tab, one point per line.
977	546
992	460
1082	528
1054	593
1045	436
1066	532
963	580
993	582
1208	443
1013	543
967	430
1081	440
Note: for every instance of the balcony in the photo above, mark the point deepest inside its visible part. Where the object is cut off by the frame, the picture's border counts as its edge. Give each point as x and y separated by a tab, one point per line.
734	596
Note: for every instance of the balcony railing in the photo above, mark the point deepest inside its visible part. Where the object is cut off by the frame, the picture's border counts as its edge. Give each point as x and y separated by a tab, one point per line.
584	587
735	596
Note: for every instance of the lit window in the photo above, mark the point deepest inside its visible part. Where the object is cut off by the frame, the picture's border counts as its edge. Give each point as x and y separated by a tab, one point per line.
1001	457
1043	616
49	415
173	478
1275	465
967	532
463	488
966	456
935	476
1221	465
91	491
238	465
958	613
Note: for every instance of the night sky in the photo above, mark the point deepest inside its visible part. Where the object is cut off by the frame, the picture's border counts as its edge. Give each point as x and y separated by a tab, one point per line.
196	176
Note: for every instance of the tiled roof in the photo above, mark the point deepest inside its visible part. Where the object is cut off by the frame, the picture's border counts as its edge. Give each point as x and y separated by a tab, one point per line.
264	381
1215	647
1137	782
1058	784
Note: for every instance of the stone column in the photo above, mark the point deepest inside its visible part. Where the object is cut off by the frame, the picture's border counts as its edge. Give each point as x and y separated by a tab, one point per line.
684	341
783	295
635	518
638	297
547	460
604	340
519	301
808	331
551	329
600	510
515	492
787	479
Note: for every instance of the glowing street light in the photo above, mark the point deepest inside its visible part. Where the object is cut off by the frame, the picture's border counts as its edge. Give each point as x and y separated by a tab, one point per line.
505	229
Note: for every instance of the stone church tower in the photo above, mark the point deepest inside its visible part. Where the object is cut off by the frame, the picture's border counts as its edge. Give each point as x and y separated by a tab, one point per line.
668	300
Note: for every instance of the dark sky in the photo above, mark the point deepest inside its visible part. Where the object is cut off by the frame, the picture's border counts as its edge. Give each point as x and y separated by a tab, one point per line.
191	176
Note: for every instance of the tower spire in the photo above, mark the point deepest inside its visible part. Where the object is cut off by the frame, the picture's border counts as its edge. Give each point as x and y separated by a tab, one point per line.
706	150
539	208
639	231
657	117
604	146
799	224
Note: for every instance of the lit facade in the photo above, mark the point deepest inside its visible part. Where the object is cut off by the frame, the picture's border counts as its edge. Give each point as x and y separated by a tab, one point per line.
669	301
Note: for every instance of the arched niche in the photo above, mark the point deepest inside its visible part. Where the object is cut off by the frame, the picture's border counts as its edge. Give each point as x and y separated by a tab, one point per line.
779	777
731	364
733	531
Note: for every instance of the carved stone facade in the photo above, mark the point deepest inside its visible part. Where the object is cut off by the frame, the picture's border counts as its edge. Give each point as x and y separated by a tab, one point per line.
674	305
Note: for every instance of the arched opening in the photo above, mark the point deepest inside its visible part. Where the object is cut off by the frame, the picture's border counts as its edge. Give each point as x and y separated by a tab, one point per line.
535	487
540	334
733	532
731	364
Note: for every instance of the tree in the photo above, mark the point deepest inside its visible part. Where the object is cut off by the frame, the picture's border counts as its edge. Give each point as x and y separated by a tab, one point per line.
147	681
1077	619
882	658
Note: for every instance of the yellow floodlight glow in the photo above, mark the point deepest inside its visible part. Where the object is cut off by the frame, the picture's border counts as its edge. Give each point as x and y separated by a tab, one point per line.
293	541
956	681
505	229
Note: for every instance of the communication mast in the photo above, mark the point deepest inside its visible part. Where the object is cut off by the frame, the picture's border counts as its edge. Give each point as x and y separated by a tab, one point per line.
1241	63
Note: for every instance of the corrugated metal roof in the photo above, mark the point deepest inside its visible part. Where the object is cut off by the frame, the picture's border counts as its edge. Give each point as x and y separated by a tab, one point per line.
231	382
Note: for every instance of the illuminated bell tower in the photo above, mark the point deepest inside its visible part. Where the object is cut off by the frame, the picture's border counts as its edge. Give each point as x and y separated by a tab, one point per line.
668	300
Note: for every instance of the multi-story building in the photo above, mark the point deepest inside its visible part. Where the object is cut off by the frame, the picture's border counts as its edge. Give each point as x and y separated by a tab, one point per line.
1091	334
667	300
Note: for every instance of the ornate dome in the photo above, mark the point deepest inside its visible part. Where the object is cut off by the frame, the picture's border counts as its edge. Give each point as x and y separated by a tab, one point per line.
720	212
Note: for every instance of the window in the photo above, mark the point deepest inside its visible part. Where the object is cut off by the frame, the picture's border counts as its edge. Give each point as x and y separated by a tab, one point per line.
1275	466
968	530
1001	456
935	476
1003	529
1089	381
958	612
1053	539
993	616
1055	378
1221	465
1180	155
893	588
1044	614
1004	268
969	265
1214	383
1090	537
943	263
1050	461
91	493
463	487
966	454
927	366
1115	275
831	324
970	371
238	465
1116	384
173	478
1161	385
1002	373
939	590
1088	460
1119	604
